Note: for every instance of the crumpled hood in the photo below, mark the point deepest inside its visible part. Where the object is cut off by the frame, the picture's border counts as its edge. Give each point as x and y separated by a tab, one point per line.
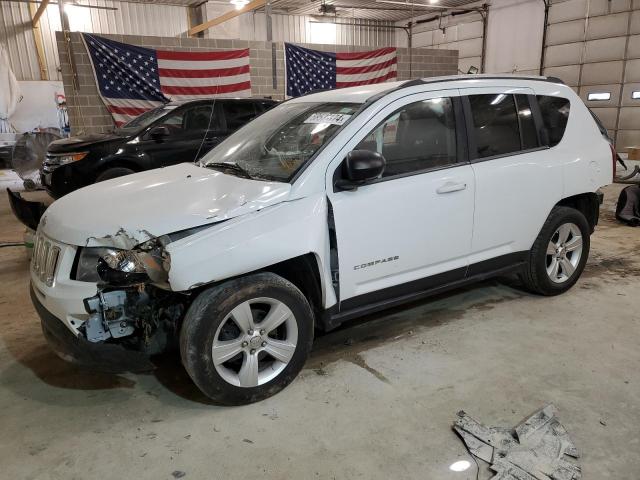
73	144
129	210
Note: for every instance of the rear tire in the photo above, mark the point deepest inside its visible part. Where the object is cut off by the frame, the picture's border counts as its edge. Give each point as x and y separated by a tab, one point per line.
559	254
114	172
246	339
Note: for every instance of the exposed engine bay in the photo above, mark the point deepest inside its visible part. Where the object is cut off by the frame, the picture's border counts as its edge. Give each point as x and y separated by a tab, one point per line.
141	317
134	305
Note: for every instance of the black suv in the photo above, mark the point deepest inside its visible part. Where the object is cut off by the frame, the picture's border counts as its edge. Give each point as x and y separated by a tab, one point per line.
170	134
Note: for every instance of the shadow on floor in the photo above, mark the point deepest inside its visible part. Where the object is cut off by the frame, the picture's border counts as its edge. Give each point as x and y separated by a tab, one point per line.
355	337
345	343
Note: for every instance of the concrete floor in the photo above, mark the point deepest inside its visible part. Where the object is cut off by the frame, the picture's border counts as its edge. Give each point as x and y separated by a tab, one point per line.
376	400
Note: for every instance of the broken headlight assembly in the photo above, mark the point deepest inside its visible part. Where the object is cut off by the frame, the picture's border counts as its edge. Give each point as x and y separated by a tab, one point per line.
146	263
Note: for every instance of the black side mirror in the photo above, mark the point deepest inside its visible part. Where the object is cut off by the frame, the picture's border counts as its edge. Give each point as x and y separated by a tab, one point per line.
360	167
159	132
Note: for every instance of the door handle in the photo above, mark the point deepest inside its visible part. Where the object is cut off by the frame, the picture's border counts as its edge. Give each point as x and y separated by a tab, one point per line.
451	187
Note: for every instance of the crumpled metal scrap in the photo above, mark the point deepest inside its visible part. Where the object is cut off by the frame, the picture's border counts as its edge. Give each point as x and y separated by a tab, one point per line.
534	450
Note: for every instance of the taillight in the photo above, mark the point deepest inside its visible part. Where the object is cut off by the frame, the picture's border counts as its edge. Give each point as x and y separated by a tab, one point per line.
614	158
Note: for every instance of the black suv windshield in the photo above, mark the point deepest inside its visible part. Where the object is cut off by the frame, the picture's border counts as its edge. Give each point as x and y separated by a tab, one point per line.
278	143
147	118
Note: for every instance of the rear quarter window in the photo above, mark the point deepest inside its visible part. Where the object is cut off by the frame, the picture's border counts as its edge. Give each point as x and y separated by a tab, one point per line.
555	114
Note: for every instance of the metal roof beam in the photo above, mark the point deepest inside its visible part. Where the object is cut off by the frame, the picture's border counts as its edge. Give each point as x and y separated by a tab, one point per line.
255	4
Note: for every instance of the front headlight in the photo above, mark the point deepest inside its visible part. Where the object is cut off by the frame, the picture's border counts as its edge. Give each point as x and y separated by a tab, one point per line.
86	269
69	157
65	158
148	262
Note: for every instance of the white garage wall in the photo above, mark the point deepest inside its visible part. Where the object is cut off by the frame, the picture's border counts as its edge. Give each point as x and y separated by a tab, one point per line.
594	46
460	32
514	36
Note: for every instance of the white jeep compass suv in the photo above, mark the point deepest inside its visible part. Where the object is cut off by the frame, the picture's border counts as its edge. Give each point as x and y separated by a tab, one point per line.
327	207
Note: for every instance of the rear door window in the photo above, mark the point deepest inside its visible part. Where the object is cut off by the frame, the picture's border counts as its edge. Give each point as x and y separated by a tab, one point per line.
555	113
238	113
495	124
199	118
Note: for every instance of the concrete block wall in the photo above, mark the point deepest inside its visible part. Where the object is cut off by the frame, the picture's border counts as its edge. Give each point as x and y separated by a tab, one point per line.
87	113
594	46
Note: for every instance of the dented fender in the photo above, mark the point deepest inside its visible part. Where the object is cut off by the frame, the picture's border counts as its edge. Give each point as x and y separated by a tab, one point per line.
255	241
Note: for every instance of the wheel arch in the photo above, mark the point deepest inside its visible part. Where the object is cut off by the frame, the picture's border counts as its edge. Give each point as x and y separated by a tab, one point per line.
303	271
117	162
587	203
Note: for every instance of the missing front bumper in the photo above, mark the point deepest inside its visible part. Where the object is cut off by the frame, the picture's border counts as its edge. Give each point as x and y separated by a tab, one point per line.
104	357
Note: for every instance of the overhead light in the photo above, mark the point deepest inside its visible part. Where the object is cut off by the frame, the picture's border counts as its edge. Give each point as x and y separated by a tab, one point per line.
433	1
635	95
239	4
79	17
596	96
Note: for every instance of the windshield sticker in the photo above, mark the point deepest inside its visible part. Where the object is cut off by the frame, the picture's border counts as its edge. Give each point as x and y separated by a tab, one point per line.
326	117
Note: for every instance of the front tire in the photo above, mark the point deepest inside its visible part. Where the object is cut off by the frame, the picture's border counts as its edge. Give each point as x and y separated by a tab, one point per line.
559	254
246	339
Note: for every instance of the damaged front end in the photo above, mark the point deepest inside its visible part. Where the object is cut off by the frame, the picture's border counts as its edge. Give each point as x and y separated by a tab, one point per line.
141	318
134	309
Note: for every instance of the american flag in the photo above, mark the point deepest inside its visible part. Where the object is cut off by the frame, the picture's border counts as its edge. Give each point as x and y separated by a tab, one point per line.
309	70
134	79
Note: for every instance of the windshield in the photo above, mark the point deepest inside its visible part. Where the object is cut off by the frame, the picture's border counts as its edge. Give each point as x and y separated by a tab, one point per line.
147	118
278	143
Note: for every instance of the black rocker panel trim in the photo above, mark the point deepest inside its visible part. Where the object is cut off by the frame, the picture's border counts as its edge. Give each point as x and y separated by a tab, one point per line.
424	287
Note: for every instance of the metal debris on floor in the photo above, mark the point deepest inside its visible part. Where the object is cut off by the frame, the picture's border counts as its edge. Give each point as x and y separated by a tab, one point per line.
533	450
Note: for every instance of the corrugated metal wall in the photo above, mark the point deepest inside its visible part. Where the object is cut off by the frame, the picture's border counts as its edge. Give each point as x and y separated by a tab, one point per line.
158	20
17	37
594	46
129	18
298	29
